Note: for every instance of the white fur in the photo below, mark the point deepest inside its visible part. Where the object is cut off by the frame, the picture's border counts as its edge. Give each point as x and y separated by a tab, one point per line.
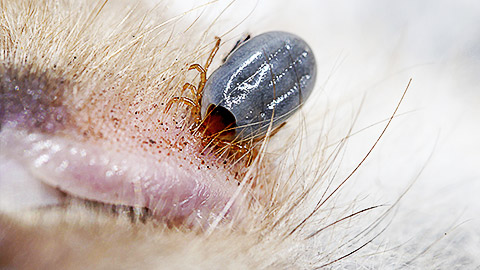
424	171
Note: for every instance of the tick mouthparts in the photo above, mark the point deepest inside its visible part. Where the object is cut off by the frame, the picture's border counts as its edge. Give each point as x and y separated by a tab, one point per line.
219	123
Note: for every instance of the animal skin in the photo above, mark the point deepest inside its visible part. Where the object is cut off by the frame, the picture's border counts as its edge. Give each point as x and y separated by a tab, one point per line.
95	173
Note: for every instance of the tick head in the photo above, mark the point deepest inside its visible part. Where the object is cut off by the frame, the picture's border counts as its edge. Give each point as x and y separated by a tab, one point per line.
219	123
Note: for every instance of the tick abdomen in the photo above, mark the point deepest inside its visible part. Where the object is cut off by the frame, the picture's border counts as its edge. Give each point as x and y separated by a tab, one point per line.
268	77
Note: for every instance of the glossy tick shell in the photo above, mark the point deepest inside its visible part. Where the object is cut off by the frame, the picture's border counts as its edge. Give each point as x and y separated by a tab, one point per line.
266	78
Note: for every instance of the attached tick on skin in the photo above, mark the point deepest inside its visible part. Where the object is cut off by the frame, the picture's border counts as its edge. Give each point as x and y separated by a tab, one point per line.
261	83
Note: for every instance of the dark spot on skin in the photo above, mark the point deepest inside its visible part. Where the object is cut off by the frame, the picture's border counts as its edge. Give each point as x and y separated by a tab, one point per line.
32	99
152	141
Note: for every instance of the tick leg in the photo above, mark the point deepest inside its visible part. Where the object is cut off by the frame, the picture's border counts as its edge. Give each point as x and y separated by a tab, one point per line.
183	100
196	91
201	84
192	88
203	71
244	39
212	54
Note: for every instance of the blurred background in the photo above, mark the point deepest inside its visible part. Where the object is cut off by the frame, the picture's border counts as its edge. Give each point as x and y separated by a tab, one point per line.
369	50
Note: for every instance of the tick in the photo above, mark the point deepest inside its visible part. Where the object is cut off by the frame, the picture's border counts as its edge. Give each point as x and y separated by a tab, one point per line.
261	83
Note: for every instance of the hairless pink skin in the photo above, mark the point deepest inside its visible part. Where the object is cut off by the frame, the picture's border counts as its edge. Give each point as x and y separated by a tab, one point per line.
177	187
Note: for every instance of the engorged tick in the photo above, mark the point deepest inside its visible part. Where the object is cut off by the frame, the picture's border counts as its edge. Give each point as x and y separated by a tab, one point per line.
262	82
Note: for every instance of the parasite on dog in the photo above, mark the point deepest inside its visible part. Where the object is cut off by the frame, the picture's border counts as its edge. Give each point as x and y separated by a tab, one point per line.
262	82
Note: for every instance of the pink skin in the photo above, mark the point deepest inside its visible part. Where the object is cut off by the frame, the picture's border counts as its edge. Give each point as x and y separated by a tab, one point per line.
176	187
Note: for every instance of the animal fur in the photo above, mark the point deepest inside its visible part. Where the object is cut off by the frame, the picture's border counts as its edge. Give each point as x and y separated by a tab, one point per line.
104	65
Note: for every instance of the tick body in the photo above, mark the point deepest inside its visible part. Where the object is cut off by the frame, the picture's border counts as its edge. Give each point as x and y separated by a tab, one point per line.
264	80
